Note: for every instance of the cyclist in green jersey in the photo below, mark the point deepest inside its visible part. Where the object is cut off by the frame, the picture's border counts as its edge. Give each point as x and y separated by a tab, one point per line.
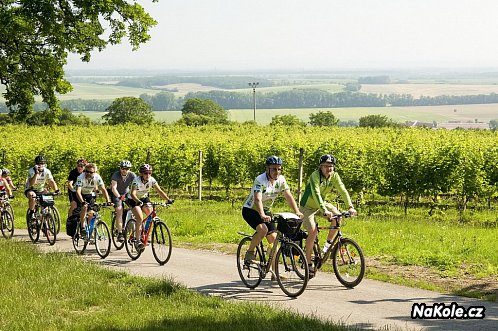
322	181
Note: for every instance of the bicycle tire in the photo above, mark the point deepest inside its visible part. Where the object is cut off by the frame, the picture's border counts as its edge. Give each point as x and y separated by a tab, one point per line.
348	262
33	228
289	271
79	243
49	228
133	253
161	242
102	238
114	232
11	209
251	274
57	217
7	224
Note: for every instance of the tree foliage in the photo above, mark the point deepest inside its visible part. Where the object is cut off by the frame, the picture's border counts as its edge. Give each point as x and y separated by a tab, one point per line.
129	110
286	120
323	118
376	121
36	37
200	112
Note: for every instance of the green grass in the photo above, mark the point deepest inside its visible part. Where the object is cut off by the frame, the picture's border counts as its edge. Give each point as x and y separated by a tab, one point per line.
57	291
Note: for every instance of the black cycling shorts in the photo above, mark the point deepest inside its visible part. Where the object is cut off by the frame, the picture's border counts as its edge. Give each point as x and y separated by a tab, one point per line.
132	203
253	219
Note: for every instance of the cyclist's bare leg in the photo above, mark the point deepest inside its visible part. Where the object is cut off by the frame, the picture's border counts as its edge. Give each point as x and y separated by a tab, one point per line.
271	241
137	213
261	231
310	241
119	218
332	232
31	200
83	211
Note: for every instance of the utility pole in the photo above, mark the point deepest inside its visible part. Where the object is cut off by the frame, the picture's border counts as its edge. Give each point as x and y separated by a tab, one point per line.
254	85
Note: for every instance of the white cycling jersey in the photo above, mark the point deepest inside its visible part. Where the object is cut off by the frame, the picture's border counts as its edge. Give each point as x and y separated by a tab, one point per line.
142	187
89	185
42	179
269	191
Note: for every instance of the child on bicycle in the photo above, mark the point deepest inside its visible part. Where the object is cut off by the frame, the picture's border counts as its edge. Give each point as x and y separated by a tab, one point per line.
321	182
38	176
138	197
256	209
87	184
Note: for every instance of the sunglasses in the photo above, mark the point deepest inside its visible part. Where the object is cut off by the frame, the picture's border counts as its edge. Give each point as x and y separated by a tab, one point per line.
147	173
125	168
90	172
80	165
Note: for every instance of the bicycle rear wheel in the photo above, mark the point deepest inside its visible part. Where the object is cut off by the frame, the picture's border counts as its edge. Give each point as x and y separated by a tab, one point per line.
7	224
161	242
49	228
115	233
290	269
133	253
79	243
102	238
250	274
348	262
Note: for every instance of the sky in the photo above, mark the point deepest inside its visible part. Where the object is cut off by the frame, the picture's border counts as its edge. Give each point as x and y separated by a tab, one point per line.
297	35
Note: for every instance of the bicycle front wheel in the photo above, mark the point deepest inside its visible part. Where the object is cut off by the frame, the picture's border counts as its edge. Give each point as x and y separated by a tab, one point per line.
161	242
132	251
79	243
49	228
33	228
115	233
291	273
7	224
348	262
250	273
102	238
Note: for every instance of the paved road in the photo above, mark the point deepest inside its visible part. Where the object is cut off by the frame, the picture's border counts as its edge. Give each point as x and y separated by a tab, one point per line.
371	305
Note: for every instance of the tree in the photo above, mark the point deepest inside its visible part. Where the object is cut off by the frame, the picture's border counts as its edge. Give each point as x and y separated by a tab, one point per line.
200	111
286	120
376	121
323	118
129	109
493	124
36	37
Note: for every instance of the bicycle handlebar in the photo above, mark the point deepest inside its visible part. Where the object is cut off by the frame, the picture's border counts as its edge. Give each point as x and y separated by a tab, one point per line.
163	204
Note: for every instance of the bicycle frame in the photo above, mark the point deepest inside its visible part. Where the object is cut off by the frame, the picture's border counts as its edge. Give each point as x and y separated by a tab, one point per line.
149	218
323	257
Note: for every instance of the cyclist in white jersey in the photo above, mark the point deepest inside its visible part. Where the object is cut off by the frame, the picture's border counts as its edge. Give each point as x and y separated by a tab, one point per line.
38	177
138	196
87	184
256	209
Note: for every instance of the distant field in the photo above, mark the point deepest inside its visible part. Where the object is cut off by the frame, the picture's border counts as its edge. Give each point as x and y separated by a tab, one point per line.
430	90
464	113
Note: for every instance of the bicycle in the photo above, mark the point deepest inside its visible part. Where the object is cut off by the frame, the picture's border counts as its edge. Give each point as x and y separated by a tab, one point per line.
161	236
291	274
43	219
6	216
114	230
96	232
348	260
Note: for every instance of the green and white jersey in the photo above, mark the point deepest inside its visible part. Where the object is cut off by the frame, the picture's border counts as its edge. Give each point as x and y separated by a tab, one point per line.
269	191
42	179
89	185
317	188
142	187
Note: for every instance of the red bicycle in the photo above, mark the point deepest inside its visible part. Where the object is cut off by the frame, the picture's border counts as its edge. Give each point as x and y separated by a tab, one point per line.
161	235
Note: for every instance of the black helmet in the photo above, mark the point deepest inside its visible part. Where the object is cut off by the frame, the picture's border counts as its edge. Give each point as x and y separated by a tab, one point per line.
273	160
40	159
327	158
145	167
5	172
125	164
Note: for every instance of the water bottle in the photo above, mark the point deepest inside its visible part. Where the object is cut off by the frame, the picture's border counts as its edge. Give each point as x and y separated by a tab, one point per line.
326	247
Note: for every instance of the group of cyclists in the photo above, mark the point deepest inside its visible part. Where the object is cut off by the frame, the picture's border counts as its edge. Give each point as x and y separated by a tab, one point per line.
256	210
84	182
125	186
